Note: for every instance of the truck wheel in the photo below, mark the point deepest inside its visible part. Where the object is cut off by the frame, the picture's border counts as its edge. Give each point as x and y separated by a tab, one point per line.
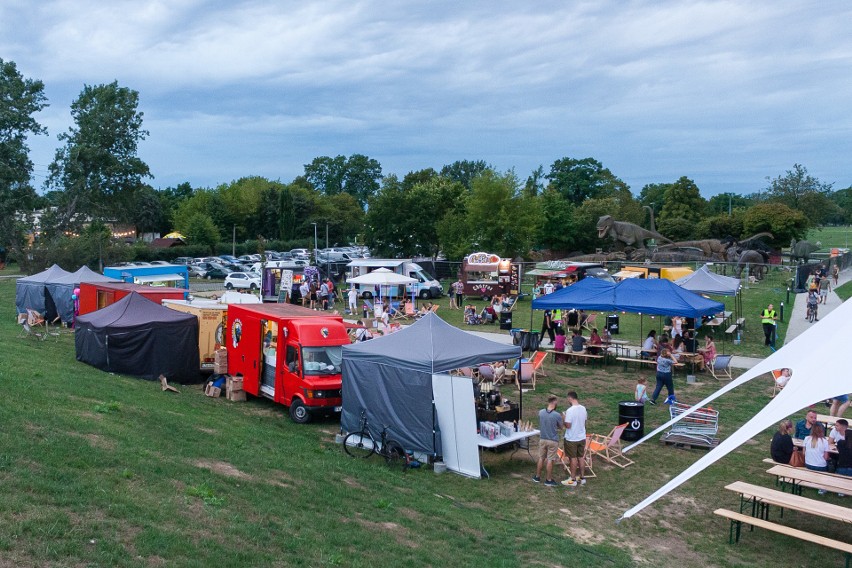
425	294
253	287
299	413
229	286
209	277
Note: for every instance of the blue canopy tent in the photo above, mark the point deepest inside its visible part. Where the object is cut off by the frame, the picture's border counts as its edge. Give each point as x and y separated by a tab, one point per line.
654	296
587	294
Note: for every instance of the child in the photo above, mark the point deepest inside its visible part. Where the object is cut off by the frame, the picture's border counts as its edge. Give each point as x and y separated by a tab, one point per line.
641	393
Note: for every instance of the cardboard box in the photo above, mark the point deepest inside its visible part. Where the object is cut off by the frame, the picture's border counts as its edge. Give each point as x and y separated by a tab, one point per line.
213	392
234	384
220	368
237	396
221	356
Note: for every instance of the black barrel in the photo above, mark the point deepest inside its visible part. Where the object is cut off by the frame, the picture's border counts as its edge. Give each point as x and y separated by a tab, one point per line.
633	414
612	323
506	320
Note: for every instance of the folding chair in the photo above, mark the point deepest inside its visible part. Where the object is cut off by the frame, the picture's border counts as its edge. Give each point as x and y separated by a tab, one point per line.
525	376
721	367
35	326
609	447
537	360
589	324
587	458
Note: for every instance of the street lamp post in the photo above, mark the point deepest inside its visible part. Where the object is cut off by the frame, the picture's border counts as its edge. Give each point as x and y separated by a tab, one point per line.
315	242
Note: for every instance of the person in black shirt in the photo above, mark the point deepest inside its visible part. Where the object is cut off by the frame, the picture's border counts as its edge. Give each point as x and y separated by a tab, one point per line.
781	448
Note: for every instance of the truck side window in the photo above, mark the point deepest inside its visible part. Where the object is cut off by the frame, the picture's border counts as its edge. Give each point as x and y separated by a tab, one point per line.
292	359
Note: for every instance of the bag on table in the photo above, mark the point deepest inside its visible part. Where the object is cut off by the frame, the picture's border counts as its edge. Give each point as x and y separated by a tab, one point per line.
798	458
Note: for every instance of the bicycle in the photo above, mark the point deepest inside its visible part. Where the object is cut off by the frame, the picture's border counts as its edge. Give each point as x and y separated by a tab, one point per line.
362	444
812	312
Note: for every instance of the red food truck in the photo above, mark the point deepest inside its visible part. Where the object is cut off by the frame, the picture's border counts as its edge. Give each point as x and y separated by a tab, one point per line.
289	354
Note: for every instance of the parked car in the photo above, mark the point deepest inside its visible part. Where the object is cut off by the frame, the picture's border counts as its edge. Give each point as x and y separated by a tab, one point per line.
230	259
185	260
249	258
302	254
196	270
159	263
217	272
247	280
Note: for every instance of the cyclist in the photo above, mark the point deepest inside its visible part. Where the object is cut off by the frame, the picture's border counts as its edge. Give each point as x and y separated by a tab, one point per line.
813	304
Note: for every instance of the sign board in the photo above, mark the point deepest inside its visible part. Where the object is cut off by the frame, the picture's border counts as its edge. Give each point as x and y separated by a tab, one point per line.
286	285
515	281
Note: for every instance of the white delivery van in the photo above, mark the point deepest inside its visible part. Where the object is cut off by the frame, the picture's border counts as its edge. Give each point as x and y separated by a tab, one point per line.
426	287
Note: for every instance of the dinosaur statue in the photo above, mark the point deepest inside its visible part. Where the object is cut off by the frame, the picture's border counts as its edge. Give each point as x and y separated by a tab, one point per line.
802	250
650	211
756	260
715	249
626	233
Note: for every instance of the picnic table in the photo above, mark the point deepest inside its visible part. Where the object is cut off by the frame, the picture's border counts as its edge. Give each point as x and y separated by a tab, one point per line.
761	498
798	477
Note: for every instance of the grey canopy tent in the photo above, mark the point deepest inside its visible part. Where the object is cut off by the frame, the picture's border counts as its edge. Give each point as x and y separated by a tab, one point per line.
138	337
703	281
61	289
31	292
390	378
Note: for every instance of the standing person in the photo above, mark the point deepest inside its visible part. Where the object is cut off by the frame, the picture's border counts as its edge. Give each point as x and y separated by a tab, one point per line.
305	292
549	423
824	289
459	293
452	294
548	287
781	449
835	274
313	295
352	296
547	326
839	404
664	378
323	295
575	441
767	318
677	326
332	292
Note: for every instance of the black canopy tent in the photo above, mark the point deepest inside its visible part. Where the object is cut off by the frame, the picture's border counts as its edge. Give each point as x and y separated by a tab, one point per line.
137	337
391	378
31	292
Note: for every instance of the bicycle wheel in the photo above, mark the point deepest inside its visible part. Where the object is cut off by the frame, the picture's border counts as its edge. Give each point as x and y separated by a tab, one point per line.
359	444
395	455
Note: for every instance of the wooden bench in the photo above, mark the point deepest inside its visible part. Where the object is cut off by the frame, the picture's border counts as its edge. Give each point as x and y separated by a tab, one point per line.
737	519
560	356
587	356
732	329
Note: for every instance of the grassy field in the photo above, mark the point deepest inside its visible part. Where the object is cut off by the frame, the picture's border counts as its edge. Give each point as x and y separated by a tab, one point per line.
106	470
831	237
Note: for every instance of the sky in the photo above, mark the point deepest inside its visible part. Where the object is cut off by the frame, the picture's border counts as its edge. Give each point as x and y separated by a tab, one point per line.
728	94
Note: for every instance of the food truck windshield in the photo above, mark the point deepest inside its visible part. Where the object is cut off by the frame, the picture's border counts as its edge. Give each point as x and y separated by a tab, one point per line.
320	361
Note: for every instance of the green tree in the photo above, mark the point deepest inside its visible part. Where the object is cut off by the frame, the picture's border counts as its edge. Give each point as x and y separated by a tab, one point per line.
266	219
653	195
722	226
723	202
97	169
783	222
791	188
578	180
535	182
501	220
358	175
558	230
148	210
20	99
286	215
682	200
201	230
464	171
676	229
843	199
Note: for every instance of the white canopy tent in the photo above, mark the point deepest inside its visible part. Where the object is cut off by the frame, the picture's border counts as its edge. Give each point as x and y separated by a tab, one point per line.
819	371
383	277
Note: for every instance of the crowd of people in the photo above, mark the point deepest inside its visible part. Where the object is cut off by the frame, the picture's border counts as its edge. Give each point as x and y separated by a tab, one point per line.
807	444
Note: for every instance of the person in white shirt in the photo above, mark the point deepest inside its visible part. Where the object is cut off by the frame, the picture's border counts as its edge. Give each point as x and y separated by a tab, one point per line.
548	287
305	292
353	300
575	441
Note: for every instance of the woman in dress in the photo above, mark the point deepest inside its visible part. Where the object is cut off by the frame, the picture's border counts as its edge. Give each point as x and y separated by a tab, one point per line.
709	350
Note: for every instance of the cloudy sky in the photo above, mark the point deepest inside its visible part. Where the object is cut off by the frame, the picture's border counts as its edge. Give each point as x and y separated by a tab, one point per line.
726	93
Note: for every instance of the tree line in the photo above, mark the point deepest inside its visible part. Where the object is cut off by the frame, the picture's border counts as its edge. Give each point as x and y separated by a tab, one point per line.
96	176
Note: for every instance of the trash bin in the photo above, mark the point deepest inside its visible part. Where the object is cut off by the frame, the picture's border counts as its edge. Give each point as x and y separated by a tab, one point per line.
612	323
532	340
516	335
633	414
506	320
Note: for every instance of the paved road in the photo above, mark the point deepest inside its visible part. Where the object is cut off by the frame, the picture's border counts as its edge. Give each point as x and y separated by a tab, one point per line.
798	323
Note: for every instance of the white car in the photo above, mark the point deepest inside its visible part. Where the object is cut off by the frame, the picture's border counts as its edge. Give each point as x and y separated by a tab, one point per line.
242	280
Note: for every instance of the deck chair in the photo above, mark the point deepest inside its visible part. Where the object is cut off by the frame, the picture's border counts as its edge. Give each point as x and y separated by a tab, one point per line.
721	368
589	324
776	388
587	458
486	373
525	376
609	447
537	361
36	326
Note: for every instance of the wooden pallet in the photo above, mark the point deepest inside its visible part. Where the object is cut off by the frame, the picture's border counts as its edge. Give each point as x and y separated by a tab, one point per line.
686	442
